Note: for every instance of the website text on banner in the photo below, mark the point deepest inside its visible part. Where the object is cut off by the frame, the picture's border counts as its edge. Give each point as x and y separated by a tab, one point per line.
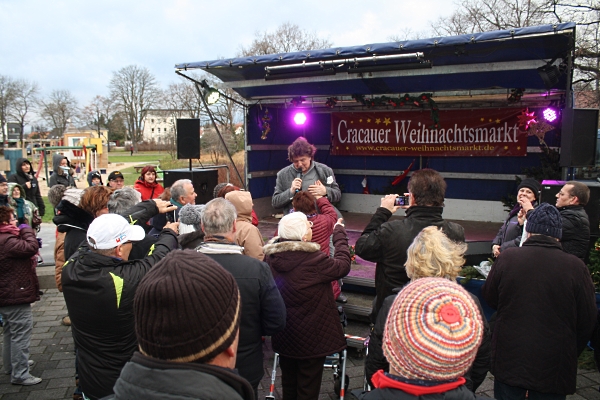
482	133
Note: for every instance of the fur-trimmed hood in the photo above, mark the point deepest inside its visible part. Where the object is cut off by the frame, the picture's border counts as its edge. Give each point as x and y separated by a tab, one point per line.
275	246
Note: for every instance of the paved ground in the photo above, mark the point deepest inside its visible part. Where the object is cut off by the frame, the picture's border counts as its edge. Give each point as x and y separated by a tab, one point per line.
52	349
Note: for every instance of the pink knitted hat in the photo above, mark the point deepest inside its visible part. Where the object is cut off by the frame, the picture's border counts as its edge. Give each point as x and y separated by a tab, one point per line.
433	331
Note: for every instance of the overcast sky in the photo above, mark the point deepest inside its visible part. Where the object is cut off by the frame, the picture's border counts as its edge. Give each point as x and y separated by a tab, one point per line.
78	44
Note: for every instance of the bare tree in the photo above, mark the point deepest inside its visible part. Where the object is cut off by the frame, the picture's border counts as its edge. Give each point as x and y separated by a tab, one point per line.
135	90
183	98
25	100
98	113
485	15
286	38
59	109
7	96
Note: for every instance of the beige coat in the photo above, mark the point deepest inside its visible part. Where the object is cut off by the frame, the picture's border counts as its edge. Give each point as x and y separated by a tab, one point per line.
247	235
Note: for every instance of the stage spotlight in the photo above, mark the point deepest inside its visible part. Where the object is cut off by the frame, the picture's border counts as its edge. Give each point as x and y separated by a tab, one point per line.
550	115
300	118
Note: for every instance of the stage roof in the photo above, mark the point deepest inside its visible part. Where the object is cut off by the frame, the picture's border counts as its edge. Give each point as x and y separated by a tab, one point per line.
505	59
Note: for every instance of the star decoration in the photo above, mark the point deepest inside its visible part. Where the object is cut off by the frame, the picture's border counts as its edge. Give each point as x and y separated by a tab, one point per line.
387	121
490	120
505	147
482	119
539	130
497	121
377	121
360	120
518	147
526	118
369	120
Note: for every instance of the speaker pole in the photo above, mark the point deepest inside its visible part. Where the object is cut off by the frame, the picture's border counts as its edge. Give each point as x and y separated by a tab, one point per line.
190	164
219	133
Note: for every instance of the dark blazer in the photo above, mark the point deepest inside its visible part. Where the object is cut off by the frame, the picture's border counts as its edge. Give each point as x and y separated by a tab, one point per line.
386	242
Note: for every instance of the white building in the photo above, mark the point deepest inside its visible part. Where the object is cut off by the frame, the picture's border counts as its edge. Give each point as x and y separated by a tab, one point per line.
161	126
158	127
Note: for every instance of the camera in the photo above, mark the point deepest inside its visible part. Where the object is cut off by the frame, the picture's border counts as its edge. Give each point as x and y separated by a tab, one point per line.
401	201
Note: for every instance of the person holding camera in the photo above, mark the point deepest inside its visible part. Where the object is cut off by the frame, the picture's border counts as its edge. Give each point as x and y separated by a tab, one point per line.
386	242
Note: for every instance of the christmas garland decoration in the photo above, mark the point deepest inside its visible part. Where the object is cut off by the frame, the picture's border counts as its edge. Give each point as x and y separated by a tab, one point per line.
424	99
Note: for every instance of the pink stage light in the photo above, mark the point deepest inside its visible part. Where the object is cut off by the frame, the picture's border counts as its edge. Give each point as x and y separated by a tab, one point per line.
300	118
550	115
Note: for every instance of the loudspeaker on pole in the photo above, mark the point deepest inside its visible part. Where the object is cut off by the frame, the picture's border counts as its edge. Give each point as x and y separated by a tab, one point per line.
188	138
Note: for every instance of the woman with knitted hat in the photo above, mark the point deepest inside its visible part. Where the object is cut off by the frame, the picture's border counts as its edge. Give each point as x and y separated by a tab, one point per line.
303	274
431	254
431	337
147	185
509	235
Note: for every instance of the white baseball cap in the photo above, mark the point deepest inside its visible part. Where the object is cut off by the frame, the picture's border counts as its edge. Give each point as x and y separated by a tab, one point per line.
111	230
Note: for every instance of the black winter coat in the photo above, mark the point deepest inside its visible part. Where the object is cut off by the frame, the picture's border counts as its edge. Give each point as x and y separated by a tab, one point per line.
32	193
151	379
386	242
263	310
73	221
99	293
575	230
18	279
546	313
376	360
60	178
303	274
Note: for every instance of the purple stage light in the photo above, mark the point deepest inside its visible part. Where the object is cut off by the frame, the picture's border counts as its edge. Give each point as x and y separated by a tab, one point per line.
550	115
300	118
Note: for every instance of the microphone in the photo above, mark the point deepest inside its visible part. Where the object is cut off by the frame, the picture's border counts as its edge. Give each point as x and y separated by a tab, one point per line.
299	176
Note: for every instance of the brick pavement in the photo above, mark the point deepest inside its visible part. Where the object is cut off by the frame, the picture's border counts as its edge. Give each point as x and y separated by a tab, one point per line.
52	349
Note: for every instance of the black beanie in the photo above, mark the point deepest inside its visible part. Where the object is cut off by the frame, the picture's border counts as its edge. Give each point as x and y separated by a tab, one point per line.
545	219
532	184
2	178
187	308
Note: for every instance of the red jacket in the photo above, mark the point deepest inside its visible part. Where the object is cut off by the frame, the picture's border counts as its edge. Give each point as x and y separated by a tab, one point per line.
323	224
18	280
148	191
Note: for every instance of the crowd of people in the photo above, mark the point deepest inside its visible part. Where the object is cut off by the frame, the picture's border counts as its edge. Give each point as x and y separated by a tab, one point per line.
168	299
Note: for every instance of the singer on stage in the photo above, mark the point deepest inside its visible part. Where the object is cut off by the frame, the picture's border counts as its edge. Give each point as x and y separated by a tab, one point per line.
304	174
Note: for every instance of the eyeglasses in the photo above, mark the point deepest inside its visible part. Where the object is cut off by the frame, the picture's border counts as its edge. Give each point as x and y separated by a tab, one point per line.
310	223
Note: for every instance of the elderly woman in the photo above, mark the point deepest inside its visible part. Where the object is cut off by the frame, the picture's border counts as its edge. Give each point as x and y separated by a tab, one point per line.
304	174
431	254
25	177
322	214
313	330
18	289
24	208
509	235
147	185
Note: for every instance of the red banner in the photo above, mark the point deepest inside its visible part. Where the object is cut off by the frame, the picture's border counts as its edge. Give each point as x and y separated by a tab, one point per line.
481	132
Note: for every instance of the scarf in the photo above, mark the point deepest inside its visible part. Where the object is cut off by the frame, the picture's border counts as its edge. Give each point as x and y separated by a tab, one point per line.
11	229
219	245
20	208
